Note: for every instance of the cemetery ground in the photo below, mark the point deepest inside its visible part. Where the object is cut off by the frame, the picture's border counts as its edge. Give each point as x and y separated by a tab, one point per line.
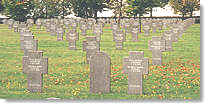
68	74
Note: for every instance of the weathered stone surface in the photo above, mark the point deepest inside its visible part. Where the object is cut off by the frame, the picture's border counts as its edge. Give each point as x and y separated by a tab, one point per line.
135	34
29	43
135	66
157	45
90	46
34	65
100	71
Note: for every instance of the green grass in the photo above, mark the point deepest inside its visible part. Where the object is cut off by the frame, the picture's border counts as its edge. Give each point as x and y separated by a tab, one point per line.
68	76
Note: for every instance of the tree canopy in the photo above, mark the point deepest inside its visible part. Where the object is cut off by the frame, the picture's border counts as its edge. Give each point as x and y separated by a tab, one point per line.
185	7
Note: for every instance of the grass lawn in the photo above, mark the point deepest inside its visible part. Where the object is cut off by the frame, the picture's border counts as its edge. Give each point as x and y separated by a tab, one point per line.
68	74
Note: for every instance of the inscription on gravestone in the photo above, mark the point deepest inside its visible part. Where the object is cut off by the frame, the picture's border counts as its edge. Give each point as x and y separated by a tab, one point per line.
34	65
157	46
135	66
29	44
169	38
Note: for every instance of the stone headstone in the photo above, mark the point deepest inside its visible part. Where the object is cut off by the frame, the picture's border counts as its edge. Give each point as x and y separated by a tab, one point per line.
157	46
135	65
154	27
28	44
60	32
169	38
84	29
38	23
91	45
15	26
127	27
134	34
30	22
10	23
100	71
97	31
72	36
146	29
119	38
34	65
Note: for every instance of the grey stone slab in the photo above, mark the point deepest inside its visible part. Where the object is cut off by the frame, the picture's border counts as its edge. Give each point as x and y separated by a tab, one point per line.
156	57
91	45
29	43
135	66
100	71
35	82
135	34
34	65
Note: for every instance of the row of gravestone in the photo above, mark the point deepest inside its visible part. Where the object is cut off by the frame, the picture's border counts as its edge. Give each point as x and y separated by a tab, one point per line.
157	46
34	65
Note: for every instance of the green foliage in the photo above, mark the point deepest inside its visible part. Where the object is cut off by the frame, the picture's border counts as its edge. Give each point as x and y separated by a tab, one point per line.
19	10
88	8
1	6
185	7
137	7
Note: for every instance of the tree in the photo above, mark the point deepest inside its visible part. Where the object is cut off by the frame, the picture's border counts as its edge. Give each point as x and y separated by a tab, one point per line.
137	7
119	8
1	6
18	9
185	7
64	7
88	8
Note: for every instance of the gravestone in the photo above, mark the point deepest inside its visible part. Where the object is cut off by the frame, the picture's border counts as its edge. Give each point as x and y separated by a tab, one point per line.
10	23
154	27
53	29
136	66
72	36
146	29
60	32
90	46
89	25
119	38
134	34
100	71
30	22
176	30
97	31
74	25
24	33
28	44
157	46
38	23
15	26
84	30
34	65
127	27
169	38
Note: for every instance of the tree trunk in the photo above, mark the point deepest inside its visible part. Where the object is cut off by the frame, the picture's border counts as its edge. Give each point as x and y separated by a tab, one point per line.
120	14
151	12
191	14
95	15
140	23
63	9
183	16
